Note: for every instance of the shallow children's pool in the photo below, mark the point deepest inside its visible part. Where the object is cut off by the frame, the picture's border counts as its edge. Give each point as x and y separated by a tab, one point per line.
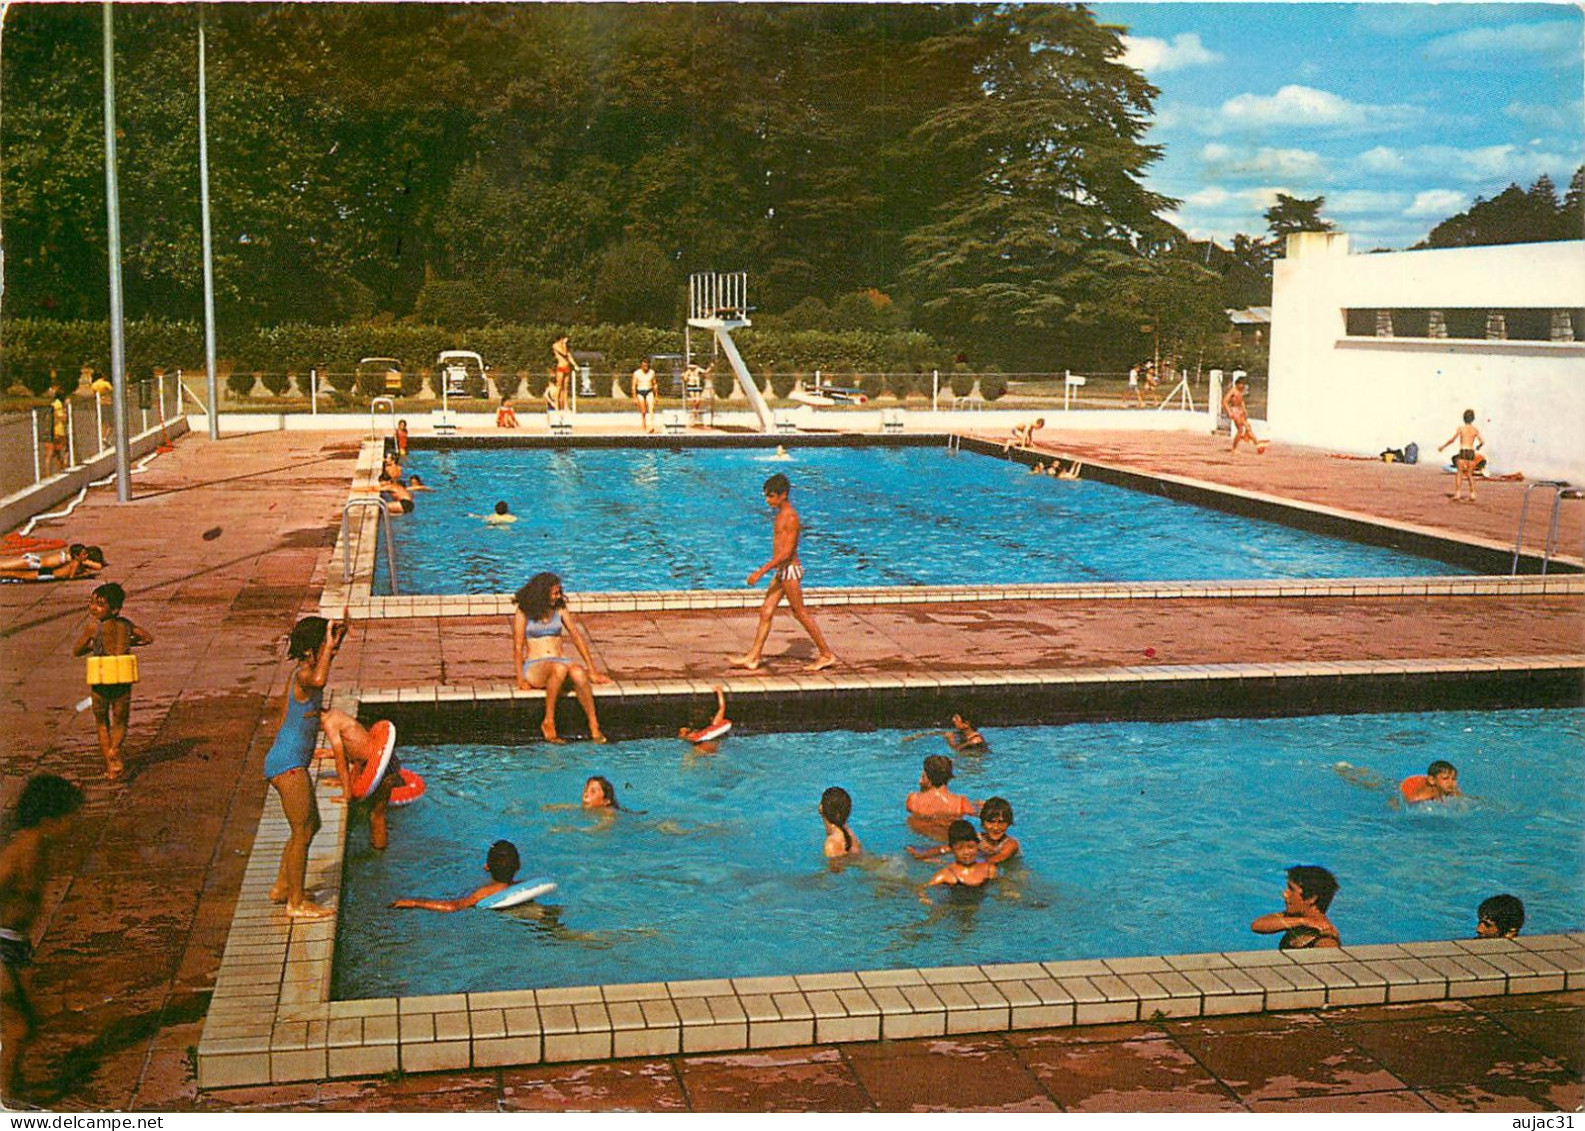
1139	839
694	518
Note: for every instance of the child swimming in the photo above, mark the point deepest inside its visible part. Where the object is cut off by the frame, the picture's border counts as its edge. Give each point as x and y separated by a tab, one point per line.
1438	783
835	809
996	816
501	862
966	869
933	798
706	732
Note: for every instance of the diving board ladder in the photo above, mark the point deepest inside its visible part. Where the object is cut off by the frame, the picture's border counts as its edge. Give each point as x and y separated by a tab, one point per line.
718	302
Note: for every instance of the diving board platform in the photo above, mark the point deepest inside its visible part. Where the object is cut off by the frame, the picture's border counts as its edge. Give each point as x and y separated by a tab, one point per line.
718	302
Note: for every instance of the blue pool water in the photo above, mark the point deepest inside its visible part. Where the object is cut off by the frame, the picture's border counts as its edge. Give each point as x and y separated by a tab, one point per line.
1138	838
691	518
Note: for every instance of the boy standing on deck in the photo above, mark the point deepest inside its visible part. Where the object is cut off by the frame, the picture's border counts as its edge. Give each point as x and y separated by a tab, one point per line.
786	582
1469	441
108	633
43	814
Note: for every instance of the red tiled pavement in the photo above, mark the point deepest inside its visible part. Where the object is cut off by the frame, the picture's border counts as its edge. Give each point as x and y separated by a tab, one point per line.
225	544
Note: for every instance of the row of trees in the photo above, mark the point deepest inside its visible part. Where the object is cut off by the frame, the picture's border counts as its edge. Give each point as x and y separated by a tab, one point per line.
971	172
980	166
1517	216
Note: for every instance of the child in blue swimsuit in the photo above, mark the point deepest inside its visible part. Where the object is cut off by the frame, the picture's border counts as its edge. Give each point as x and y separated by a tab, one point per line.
313	645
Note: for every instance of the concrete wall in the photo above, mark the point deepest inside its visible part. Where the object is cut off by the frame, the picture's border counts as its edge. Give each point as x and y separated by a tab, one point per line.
1361	395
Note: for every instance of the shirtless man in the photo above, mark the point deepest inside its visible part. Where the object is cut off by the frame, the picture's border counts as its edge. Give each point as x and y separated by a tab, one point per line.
933	799
43	814
644	393
1239	415
786	582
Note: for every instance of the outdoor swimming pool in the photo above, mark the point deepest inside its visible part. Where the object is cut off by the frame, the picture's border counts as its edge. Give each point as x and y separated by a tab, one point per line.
1138	838
694	518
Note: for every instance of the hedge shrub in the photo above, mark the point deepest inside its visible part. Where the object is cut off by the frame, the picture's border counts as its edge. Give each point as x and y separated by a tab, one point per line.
723	381
992	386
276	383
962	384
781	384
240	382
901	385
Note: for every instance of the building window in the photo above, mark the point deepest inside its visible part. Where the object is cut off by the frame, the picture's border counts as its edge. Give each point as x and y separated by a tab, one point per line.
1505	324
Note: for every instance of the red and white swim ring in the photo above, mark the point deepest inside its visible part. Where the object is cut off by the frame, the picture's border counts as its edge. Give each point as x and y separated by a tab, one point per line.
711	733
411	789
382	736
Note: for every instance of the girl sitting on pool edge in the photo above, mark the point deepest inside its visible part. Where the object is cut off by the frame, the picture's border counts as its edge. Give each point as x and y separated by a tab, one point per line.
502	862
537	662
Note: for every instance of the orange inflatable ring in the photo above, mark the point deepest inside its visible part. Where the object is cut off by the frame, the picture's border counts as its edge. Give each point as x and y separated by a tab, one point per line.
1412	785
383	737
710	733
20	542
411	789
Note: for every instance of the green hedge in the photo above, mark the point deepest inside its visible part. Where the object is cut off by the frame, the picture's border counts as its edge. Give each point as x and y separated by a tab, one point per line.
992	386
509	348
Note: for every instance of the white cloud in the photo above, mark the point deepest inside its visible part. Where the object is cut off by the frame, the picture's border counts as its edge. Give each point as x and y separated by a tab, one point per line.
1157	56
1562	116
1265	161
1292	106
1498	45
1440	203
1354	202
1484	165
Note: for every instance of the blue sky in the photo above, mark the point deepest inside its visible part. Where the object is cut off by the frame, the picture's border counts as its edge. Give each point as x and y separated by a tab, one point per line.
1399	114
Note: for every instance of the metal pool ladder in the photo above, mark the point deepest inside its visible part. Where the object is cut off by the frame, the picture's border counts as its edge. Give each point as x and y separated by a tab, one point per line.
1561	489
382	525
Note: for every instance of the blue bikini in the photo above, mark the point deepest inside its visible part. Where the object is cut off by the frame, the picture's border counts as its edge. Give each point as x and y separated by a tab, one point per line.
541	630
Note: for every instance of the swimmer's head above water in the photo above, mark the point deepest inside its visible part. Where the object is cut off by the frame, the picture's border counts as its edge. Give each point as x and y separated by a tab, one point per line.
599	793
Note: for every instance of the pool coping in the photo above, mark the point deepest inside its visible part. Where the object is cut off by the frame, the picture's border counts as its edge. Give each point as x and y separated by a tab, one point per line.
271	1019
354	593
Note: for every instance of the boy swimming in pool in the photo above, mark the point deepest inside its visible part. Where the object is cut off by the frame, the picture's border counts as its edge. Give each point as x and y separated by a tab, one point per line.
705	733
967	868
1438	783
1303	920
502	862
996	817
1499	917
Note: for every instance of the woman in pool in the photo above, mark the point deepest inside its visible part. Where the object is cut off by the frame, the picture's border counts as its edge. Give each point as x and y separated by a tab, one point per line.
835	809
599	793
542	618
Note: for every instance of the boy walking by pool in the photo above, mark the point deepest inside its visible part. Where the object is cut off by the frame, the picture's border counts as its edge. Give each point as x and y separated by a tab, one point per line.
502	862
1238	413
1303	920
108	633
43	814
787	582
1469	441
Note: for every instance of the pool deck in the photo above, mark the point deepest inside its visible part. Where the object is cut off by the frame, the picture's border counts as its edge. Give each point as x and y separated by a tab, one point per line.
226	543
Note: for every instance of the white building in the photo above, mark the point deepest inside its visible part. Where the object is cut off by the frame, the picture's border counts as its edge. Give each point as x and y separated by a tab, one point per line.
1373	351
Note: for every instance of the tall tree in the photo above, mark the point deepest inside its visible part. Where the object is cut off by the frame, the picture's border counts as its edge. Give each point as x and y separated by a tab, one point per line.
1037	169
